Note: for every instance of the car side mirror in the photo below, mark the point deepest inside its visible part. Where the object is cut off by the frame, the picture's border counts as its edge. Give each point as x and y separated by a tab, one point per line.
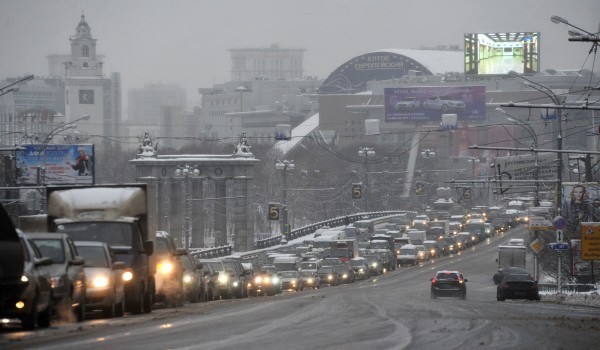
149	247
45	261
118	265
77	261
496	260
180	252
466	280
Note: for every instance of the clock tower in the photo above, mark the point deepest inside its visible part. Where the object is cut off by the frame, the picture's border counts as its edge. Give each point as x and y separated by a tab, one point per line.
85	83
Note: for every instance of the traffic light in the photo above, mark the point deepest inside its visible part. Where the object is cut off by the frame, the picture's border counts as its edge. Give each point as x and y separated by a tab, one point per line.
467	193
273	213
356	191
420	188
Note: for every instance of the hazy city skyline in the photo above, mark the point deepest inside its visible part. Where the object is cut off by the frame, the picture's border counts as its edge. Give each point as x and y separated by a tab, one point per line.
186	42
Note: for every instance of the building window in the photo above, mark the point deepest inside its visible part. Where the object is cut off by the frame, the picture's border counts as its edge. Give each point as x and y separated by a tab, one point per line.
85	51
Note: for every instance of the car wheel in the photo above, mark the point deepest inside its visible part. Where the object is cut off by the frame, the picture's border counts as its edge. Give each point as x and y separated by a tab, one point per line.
65	309
138	305
43	320
29	321
433	295
500	297
81	309
111	311
120	308
463	296
147	302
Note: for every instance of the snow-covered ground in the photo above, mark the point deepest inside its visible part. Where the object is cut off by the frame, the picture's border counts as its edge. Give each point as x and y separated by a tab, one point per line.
585	299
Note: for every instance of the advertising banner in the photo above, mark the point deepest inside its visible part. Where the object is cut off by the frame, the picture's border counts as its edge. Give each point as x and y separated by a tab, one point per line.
590	240
581	267
57	164
581	203
522	167
429	103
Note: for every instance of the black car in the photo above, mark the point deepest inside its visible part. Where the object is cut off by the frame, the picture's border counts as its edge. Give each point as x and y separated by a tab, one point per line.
328	276
498	276
448	283
169	271
193	279
239	280
375	265
345	273
518	286
29	298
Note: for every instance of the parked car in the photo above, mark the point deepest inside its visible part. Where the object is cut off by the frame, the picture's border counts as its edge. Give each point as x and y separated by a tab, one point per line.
444	104
28	297
67	275
104	275
193	279
169	270
328	276
498	276
291	280
310	279
518	286
448	283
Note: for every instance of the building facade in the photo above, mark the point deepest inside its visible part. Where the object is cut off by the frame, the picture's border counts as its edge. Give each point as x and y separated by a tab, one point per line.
272	63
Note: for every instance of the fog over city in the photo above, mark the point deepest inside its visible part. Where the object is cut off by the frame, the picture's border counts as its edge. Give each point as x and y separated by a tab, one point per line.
186	42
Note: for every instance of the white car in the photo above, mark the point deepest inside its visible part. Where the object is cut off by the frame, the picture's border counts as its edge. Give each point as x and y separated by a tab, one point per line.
444	104
408	104
516	241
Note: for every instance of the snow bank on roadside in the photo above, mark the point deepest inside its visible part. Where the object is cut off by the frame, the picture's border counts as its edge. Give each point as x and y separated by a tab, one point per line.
581	299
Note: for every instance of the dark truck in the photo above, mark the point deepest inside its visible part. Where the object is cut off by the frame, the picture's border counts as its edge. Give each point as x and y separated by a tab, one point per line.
119	215
12	265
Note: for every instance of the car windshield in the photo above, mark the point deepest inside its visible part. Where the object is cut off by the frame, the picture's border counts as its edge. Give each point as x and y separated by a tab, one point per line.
308	266
161	247
288	274
95	256
407	251
111	233
447	276
327	269
307	274
518	277
215	266
51	248
357	262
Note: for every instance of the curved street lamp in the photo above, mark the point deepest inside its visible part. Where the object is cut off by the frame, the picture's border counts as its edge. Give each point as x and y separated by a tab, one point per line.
548	92
285	166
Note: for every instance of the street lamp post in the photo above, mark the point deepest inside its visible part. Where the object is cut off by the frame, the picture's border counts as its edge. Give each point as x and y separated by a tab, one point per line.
187	171
366	151
548	92
6	89
285	166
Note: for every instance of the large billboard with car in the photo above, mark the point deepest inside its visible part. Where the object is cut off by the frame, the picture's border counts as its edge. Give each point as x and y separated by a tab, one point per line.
50	164
428	103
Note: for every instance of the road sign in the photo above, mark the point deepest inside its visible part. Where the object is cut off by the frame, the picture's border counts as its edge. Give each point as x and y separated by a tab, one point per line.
559	222
538	223
559	246
273	213
356	191
590	241
559	235
536	246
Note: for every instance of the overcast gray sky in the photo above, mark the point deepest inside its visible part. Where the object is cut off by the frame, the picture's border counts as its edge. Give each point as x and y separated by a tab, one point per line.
185	41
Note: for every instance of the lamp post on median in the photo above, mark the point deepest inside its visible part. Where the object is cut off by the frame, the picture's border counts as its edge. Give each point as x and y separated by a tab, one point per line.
187	171
285	166
548	92
366	151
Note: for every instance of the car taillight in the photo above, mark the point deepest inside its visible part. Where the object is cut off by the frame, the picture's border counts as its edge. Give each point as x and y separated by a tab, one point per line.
433	281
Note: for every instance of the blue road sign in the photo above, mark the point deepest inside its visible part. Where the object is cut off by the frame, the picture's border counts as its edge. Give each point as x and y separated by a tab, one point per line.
559	246
559	222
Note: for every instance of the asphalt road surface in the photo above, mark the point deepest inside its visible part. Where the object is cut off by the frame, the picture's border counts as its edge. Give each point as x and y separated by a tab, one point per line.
393	311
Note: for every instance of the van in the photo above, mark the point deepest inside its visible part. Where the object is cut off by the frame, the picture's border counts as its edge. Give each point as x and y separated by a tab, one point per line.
408	255
365	226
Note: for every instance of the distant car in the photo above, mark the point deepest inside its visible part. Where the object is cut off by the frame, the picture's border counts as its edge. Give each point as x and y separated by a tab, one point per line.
67	275
408	104
516	241
500	224
169	270
104	274
328	276
291	280
360	267
310	279
448	283
434	248
444	104
267	281
220	277
30	297
345	273
375	265
498	276
193	279
518	286
422	252
239	282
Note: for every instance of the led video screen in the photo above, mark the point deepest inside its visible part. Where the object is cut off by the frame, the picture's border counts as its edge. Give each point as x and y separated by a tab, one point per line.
499	53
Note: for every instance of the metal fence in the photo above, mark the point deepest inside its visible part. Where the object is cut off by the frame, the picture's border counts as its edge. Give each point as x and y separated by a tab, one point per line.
568	288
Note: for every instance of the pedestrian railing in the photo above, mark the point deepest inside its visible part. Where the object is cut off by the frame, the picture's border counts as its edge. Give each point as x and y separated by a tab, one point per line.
567	288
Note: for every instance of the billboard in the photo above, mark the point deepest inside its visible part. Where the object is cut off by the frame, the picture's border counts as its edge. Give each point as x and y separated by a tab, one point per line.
580	203
429	103
522	167
63	164
499	53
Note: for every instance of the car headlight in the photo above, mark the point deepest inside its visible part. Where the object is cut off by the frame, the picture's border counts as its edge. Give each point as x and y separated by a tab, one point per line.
257	279
345	275
164	267
223	278
275	279
56	281
24	279
127	276
100	282
421	253
330	277
374	264
309	281
432	251
187	278
293	283
361	270
236	283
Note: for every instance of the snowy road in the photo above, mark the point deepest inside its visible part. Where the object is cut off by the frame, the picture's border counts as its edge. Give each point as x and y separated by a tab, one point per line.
389	312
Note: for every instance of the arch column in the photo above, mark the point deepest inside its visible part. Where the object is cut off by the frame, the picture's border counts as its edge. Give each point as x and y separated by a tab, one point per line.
197	219
220	212
176	210
243	215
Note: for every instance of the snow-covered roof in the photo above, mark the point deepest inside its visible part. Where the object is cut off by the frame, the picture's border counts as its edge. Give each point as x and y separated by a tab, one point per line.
298	134
437	61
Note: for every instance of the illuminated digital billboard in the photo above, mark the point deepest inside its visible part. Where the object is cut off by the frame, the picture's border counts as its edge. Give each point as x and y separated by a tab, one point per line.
499	53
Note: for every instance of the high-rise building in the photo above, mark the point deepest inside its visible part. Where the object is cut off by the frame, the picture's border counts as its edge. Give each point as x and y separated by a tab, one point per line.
272	63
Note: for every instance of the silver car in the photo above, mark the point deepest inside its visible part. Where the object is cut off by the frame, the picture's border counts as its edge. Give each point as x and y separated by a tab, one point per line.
444	104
